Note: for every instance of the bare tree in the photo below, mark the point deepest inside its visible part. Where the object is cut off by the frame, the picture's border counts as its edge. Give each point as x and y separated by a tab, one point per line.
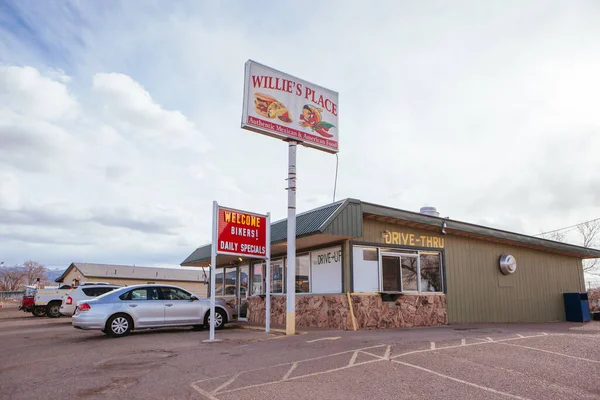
557	236
589	233
33	271
11	278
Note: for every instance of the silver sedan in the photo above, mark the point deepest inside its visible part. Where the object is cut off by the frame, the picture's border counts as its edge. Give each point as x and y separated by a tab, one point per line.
148	306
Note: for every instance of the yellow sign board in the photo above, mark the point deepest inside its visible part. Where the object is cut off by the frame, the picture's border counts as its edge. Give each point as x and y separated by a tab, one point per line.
411	239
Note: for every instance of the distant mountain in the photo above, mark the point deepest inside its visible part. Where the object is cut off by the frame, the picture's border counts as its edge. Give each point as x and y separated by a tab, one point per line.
52	274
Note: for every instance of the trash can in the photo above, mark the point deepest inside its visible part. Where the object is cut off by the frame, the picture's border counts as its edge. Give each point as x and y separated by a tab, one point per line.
577	308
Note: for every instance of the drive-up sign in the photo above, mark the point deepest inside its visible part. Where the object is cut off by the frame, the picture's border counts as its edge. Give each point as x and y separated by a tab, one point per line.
243	234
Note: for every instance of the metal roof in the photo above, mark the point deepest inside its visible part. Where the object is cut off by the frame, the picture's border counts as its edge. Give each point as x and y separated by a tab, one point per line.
90	270
307	223
344	218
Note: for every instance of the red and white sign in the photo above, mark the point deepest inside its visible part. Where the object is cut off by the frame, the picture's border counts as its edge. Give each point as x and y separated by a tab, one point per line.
241	233
282	106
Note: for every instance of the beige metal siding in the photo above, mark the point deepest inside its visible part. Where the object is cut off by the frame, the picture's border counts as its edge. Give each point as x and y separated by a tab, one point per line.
478	292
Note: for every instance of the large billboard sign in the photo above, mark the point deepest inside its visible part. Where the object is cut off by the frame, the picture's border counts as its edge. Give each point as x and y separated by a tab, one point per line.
241	233
282	106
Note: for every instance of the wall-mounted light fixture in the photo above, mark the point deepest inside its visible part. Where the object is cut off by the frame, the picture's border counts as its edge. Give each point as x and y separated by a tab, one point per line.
444	228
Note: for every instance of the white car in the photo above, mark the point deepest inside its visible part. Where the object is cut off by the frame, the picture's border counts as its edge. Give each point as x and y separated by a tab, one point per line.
84	292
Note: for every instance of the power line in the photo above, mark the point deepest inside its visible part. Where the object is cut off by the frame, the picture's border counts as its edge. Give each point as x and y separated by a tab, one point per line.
568	227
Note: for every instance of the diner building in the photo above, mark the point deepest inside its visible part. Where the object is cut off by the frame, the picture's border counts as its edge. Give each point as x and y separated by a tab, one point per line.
362	265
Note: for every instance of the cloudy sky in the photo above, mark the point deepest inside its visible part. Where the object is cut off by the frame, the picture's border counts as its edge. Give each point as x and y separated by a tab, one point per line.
120	121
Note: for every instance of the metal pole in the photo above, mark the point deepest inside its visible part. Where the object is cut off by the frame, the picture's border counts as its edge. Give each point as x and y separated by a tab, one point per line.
268	274
213	266
290	320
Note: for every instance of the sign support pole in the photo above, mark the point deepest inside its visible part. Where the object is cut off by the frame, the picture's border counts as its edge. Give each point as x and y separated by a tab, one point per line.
268	276
213	266
290	320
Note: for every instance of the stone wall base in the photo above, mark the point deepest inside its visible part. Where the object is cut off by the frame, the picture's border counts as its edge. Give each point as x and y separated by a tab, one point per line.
332	312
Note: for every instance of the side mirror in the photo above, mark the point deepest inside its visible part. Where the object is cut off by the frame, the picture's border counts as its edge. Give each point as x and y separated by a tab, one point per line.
194	297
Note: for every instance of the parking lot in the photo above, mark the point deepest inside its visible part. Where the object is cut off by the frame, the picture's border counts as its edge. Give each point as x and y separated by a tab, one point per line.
47	358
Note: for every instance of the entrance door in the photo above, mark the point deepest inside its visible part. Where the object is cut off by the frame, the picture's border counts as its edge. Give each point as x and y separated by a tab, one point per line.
243	292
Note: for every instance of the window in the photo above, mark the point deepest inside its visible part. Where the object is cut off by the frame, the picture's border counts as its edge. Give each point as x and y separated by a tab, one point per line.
365	268
141	294
257	279
303	274
219	285
277	280
175	294
244	280
94	292
231	281
326	270
409	274
390	271
431	272
226	281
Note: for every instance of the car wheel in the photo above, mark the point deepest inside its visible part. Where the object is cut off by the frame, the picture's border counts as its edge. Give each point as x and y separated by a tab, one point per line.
53	310
39	311
220	319
119	325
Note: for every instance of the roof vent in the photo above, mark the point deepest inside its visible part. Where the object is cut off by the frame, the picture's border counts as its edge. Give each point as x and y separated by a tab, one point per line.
429	211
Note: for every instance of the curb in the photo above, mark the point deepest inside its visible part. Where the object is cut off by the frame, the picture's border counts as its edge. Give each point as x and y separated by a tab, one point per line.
259	328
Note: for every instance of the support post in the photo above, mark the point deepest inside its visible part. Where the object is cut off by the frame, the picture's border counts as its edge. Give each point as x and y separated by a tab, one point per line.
268	276
213	266
290	320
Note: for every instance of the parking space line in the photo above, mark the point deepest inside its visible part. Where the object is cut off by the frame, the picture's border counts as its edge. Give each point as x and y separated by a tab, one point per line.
488	389
353	359
286	377
551	352
287	374
289	363
300	376
325	338
204	393
482	341
229	382
386	355
431	345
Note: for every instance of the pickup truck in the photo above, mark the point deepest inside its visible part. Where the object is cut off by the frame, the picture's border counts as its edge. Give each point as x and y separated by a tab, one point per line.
47	301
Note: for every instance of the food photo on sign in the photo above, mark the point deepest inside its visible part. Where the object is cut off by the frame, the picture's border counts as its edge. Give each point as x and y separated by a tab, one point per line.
280	105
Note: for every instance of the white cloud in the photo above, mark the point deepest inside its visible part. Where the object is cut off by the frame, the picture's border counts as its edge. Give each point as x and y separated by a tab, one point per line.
26	91
131	108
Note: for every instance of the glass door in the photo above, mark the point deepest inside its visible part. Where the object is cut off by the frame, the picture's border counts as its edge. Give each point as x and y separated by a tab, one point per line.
244	280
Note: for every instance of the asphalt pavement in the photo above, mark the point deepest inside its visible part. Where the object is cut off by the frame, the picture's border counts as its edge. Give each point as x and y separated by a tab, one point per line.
48	359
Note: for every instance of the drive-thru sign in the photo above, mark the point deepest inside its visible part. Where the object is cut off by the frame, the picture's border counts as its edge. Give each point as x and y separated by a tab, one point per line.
243	234
283	106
